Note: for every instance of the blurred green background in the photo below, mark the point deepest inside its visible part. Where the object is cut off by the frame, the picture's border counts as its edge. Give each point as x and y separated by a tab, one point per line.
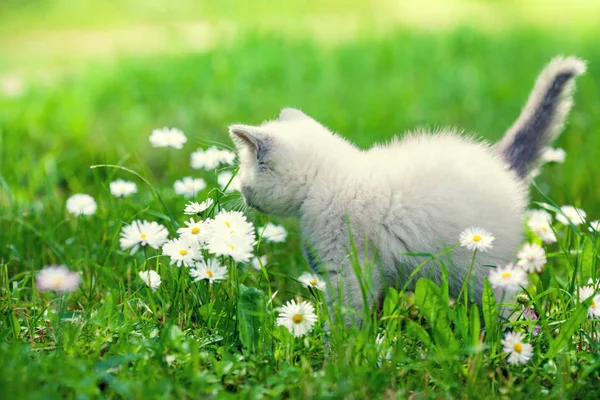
84	82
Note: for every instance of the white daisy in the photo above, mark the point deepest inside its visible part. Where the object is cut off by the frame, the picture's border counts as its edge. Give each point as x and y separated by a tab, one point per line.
273	233
231	235
121	188
312	280
193	208
150	278
532	257
167	137
57	278
585	292
12	86
509	277
225	180
258	261
143	233
575	215
189	186
298	318
195	230
209	269
476	239
550	154
81	204
211	158
518	351
539	222
182	251
594	226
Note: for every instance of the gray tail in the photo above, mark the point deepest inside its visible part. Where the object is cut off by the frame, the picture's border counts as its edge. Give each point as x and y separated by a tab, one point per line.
543	116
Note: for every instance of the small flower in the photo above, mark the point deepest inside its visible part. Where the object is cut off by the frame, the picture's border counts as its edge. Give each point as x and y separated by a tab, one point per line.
273	233
193	208
231	235
258	261
12	86
585	293
530	315
556	155
143	233
182	251
81	204
121	188
532	257
195	230
209	269
168	137
509	277
298	318
189	186
150	278
312	280
595	226
57	278
211	158
522	299
539	222
518	351
476	239
575	215
225	180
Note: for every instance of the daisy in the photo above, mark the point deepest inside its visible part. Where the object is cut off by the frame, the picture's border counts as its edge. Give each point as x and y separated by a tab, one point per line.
150	278
167	137
575	215
585	293
209	269
518	351
143	233
509	277
595	226
211	158
476	239
12	86
556	155
539	222
193	208
231	235
312	280
225	180
57	278
189	186
258	261
182	251
121	188
81	204
273	233
532	257
195	230
298	318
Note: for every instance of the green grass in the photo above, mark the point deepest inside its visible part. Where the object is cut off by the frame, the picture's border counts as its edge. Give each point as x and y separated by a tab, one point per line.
368	90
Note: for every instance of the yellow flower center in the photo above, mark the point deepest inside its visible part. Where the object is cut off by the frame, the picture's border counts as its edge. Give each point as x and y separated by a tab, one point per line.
593	304
518	347
209	273
231	246
228	224
544	228
183	252
297	318
143	236
313	282
506	275
58	281
195	230
476	238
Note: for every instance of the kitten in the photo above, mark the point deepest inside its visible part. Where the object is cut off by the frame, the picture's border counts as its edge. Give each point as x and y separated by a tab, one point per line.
415	194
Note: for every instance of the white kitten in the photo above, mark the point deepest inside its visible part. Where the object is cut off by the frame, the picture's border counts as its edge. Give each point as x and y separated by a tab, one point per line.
415	194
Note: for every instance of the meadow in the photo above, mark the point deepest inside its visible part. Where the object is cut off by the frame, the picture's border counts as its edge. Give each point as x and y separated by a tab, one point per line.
116	337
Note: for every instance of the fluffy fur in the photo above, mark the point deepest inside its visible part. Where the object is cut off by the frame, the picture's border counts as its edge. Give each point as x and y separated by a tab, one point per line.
415	194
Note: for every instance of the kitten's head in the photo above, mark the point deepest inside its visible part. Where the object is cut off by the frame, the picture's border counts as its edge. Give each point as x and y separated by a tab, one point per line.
278	160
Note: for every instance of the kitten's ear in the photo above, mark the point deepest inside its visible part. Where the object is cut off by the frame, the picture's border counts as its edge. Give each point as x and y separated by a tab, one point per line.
247	136
289	114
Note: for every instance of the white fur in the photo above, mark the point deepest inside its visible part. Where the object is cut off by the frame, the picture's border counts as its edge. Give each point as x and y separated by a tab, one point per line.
415	194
